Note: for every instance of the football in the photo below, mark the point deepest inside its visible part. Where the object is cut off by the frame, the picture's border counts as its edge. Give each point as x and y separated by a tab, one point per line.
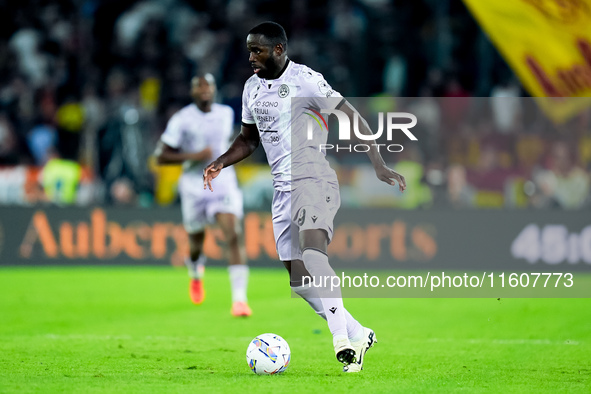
268	354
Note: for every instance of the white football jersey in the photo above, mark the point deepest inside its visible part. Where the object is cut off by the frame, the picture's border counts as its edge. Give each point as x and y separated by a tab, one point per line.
283	130
191	130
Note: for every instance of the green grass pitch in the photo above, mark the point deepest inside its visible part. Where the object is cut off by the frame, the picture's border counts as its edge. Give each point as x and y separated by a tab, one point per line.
134	330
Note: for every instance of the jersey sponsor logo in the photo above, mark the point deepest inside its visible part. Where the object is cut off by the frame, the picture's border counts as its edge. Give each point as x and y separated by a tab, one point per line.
271	136
273	104
323	87
283	91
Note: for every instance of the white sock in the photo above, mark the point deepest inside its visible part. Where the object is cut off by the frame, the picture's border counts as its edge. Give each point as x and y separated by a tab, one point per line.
238	281
310	294
196	268
354	329
317	265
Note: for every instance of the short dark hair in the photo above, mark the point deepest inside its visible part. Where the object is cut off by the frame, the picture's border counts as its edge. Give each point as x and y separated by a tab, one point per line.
274	32
205	75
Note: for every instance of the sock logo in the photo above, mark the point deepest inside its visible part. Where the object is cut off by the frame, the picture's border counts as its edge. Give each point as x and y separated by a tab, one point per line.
333	309
314	218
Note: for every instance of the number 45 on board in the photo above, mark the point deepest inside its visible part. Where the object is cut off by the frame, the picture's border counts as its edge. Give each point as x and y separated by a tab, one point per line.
552	244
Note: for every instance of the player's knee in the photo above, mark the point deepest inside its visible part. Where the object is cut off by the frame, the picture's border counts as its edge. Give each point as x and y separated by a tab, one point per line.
314	239
298	279
232	237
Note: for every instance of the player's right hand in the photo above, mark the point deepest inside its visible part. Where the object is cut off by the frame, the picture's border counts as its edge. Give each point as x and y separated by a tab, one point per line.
211	172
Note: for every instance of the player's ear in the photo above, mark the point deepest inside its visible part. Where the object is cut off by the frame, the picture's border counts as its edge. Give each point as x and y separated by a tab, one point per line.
279	49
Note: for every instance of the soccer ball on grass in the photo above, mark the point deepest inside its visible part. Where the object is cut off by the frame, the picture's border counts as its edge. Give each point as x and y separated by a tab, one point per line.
268	354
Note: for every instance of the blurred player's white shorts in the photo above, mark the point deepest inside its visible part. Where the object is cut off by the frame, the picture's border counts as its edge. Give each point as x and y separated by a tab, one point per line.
199	207
311	205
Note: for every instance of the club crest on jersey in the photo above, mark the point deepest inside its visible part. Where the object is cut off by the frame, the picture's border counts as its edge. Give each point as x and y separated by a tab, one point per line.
283	91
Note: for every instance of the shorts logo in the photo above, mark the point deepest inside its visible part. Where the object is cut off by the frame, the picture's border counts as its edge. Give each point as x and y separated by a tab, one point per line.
302	217
327	198
283	91
314	218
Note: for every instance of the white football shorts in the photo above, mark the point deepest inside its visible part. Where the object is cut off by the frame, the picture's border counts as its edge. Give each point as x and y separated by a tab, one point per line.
311	205
200	207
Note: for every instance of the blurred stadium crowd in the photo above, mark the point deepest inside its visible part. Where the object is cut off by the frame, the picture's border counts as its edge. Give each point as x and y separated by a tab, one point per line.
86	88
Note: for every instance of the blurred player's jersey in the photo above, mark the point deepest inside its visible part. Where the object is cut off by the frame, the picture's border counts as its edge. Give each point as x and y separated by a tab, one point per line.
267	103
191	130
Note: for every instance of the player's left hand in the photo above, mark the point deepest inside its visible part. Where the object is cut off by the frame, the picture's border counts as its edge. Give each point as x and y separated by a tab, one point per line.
211	172
388	175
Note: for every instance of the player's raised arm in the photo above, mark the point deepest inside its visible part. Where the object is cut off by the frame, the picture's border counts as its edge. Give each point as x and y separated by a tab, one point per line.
242	147
165	154
383	172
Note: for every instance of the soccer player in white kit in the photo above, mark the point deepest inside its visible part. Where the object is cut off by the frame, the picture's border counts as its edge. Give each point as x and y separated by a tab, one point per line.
306	194
194	134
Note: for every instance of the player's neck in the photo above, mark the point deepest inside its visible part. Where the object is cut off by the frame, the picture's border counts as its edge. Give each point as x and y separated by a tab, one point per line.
280	73
203	107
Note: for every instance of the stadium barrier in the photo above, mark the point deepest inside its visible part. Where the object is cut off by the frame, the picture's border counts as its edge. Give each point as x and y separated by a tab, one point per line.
363	239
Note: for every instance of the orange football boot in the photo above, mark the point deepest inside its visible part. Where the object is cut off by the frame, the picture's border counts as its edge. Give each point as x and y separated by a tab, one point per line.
240	308
196	291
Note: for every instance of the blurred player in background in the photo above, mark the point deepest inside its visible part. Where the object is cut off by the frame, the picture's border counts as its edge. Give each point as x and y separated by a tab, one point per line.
306	196
193	135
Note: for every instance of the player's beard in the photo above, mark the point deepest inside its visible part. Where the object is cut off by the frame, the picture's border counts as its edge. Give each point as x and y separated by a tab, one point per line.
271	68
203	103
